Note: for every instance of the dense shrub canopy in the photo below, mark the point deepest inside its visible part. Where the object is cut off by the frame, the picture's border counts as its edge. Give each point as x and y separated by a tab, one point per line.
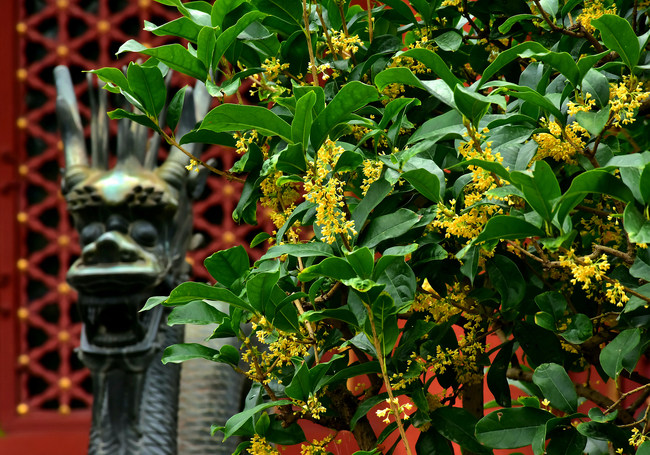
470	171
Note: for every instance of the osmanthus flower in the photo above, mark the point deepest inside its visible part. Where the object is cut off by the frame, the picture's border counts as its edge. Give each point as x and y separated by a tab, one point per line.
259	446
318	447
563	144
593	9
326	190
624	98
387	412
343	45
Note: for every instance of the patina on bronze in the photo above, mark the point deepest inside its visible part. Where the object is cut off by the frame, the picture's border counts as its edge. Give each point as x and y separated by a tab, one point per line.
134	222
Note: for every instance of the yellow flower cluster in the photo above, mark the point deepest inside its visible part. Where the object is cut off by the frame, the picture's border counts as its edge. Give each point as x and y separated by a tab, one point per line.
273	68
371	173
583	104
345	46
317	447
637	438
259	446
593	9
193	166
606	231
584	269
244	140
325	69
280	347
561	144
325	189
624	98
313	407
387	412
281	201
616	294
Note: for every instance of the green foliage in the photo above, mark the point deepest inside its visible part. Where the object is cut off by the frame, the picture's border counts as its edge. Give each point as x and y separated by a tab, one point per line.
461	194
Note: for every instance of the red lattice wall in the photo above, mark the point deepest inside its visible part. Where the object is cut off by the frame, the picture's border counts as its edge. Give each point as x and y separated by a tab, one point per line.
43	386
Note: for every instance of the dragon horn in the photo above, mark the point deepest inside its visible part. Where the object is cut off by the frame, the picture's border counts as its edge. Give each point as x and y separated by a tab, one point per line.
74	145
98	124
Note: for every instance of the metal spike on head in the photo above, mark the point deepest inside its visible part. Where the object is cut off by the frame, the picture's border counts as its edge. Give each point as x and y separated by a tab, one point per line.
99	130
72	134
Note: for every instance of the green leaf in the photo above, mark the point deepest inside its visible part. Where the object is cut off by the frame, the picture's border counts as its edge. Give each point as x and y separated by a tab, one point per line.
237	117
188	292
292	159
352	96
181	27
557	387
508	56
375	195
238	420
113	76
507	25
175	109
220	9
177	353
507	280
496	375
471	104
561	61
593	181
173	55
197	312
228	266
397	75
229	36
385	318
434	62
339	314
153	301
137	118
528	94
510	428
205	47
302	120
299	250
457	425
389	226
597	415
426	183
362	261
613	355
580	329
259	289
540	188
644	184
636	224
300	387
449	41
618	35
594	122
433	443
334	267
504	227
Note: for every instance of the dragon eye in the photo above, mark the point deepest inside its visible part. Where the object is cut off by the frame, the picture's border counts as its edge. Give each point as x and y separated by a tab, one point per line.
144	233
91	232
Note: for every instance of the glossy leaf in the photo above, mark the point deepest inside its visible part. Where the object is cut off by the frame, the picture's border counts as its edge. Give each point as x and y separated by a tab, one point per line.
510	428
613	355
237	117
556	386
618	35
228	266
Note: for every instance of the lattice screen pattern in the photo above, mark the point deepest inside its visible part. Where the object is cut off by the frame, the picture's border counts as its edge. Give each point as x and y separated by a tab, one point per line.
82	34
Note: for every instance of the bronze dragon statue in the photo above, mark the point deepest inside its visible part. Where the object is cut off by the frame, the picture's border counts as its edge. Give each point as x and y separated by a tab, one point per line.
134	221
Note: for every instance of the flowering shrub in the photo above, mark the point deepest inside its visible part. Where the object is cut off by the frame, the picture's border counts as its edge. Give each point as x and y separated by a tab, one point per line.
477	179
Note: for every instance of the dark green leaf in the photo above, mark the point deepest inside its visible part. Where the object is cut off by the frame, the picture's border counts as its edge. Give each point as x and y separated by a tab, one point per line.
457	425
300	250
389	226
237	117
636	224
177	353
540	188
227	266
434	62
173	55
238	420
188	292
510	428
335	267
302	121
618	35
175	108
508	281
352	96
557	387
496	376
197	312
613	355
